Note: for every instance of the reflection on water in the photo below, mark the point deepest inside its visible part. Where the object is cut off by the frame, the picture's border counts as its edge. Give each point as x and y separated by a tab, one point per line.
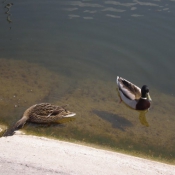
70	52
142	118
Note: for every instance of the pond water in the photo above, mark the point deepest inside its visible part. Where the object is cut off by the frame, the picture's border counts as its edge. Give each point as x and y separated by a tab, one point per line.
70	52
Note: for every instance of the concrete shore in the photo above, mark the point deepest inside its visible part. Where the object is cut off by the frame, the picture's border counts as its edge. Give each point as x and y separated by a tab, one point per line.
23	154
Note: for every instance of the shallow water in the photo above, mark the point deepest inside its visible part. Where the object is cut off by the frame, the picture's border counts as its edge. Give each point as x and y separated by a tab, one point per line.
70	52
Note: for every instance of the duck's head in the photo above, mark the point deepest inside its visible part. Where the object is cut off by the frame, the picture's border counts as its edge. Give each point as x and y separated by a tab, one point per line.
145	93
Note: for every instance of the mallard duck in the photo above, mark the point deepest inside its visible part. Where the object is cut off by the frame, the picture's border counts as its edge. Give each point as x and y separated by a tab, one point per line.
132	95
41	113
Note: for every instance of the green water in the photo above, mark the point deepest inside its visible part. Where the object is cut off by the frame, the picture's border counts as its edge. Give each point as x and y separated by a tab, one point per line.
70	52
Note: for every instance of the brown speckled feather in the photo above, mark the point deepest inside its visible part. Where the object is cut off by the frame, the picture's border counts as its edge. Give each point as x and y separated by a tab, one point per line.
41	113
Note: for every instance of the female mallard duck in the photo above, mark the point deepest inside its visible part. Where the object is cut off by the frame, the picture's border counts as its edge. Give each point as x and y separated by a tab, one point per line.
132	95
41	113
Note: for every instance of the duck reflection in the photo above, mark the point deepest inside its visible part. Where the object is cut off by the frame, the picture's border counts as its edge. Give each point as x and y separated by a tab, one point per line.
142	118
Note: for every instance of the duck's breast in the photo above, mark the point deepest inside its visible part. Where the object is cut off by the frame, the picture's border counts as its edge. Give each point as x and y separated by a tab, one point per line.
142	104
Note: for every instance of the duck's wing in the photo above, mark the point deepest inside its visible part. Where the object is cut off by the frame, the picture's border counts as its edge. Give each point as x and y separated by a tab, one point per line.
45	109
128	89
48	113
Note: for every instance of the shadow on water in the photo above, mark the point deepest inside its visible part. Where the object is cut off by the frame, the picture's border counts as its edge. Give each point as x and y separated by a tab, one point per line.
116	121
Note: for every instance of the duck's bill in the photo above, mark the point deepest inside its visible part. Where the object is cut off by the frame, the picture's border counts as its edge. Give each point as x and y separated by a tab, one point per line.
149	97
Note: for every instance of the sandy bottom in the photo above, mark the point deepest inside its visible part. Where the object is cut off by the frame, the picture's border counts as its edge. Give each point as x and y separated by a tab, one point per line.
21	154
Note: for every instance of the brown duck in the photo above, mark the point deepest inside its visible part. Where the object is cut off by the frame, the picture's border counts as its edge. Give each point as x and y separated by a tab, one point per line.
41	113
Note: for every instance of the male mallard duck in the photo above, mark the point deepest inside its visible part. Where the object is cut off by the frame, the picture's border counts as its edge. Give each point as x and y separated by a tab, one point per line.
132	95
41	113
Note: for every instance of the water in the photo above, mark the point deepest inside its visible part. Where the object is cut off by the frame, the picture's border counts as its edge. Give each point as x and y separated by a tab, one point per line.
71	52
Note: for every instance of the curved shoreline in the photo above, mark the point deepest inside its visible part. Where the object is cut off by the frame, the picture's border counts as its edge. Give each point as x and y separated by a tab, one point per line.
24	154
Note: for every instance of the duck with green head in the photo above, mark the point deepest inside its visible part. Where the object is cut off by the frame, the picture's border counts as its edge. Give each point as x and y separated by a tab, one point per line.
132	95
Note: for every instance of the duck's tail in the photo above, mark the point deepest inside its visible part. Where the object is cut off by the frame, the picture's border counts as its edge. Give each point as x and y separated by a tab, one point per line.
18	125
